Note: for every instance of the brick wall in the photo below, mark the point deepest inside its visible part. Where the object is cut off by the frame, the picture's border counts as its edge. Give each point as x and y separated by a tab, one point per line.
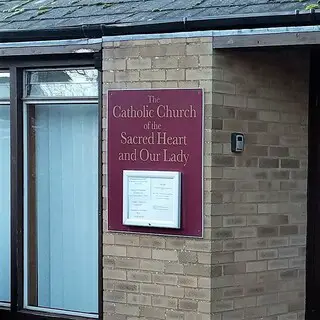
250	264
259	197
152	277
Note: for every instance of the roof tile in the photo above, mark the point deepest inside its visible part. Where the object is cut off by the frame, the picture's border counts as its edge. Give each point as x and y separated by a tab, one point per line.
40	14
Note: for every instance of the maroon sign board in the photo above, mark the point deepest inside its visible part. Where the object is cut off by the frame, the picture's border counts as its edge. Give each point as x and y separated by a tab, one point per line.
158	130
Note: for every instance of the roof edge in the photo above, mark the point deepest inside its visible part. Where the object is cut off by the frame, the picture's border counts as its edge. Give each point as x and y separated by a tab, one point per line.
247	21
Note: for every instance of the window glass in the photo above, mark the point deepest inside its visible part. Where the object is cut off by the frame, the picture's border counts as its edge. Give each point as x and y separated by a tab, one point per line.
62	209
4	85
62	83
4	203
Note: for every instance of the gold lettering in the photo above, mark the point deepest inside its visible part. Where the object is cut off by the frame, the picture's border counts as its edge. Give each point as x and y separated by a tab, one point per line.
164	111
114	111
146	155
123	138
143	154
128	156
161	111
136	140
179	157
163	138
131	112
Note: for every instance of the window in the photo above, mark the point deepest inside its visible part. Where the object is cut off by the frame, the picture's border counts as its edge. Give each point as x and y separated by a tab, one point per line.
61	191
50	187
4	189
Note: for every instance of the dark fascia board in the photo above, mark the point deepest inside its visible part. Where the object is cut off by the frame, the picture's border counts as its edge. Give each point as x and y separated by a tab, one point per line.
283	19
237	41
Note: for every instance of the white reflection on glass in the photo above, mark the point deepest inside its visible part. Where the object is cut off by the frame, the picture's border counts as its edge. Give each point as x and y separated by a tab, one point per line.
4	85
4	204
63	83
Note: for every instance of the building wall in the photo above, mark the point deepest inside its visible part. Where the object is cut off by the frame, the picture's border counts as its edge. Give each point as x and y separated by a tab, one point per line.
250	263
158	277
259	197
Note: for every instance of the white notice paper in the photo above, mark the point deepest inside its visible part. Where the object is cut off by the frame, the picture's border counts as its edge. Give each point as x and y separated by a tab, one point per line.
162	198
139	196
151	199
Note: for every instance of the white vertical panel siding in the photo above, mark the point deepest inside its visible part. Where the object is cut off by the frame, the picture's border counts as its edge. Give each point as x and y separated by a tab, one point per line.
67	206
4	204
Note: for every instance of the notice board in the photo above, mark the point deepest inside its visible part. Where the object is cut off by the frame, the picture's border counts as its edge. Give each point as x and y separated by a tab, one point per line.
156	130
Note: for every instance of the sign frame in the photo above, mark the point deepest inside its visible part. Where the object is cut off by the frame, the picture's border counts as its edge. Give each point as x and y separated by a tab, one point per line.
114	217
175	176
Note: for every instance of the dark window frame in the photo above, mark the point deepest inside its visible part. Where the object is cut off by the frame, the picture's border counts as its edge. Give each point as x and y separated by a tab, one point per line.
313	204
16	68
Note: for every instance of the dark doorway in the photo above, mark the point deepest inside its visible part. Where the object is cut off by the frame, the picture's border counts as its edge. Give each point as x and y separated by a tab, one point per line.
313	229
